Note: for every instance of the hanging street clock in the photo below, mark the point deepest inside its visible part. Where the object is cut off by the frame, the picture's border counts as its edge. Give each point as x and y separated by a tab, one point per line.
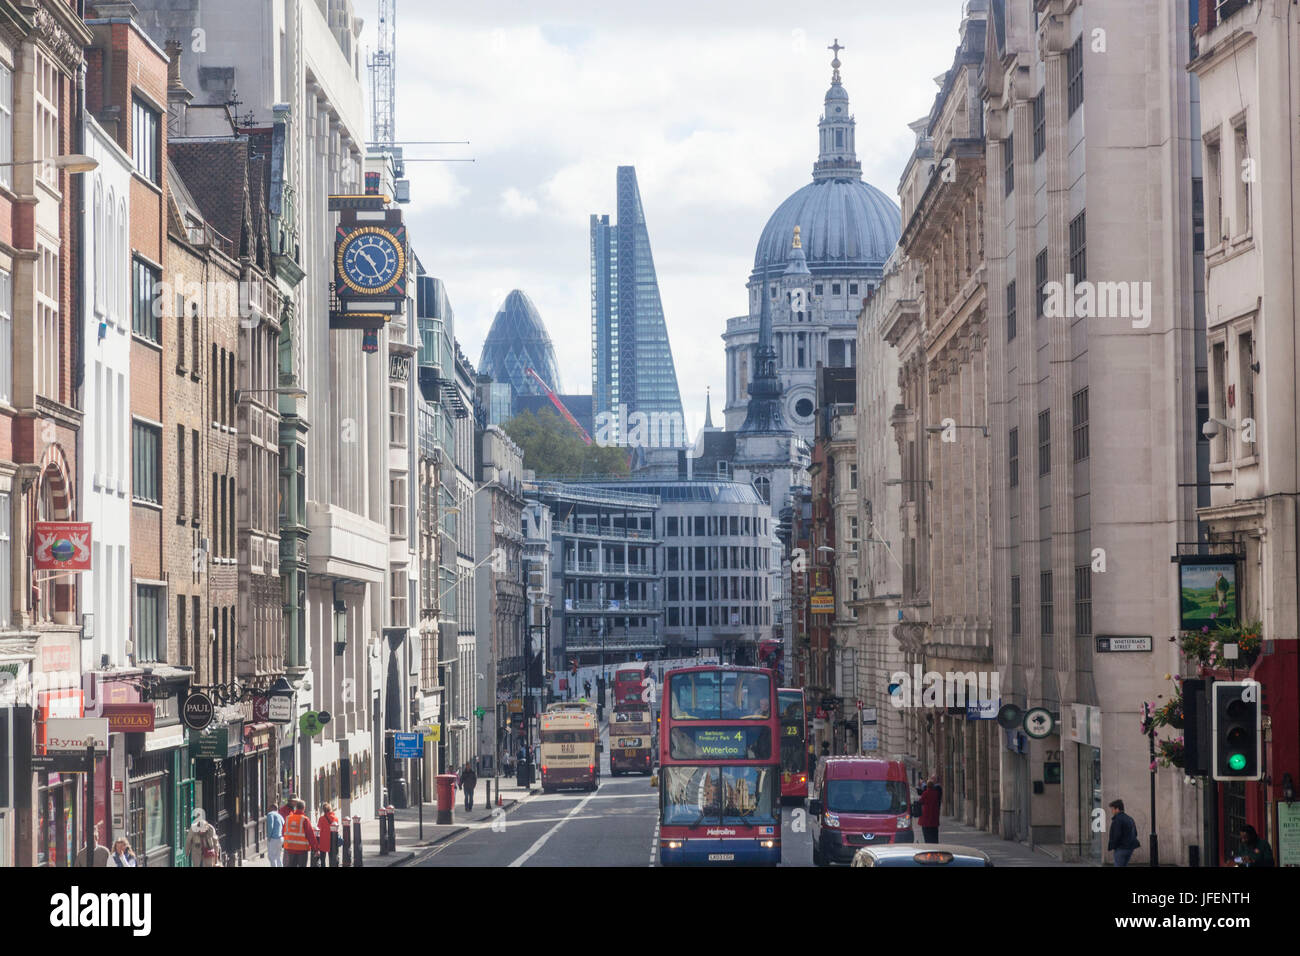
371	261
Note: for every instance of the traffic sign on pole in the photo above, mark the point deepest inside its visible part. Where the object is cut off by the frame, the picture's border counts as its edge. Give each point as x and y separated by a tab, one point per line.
408	746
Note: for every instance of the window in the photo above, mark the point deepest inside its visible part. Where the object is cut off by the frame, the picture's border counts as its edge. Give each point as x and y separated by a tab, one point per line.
149	645
144	135
6	561
817	289
1009	166
1040	279
1079	247
835	288
1015	605
1219	398
144	322
1074	72
1083	600
1245	390
180	471
1039	111
1045	601
1243	174
196	502
146	462
6	337
1011	310
49	324
853	288
853	534
853	477
397	596
1217	222
1080	409
397	414
1044	442
6	125
47	83
397	506
724	470
1013	456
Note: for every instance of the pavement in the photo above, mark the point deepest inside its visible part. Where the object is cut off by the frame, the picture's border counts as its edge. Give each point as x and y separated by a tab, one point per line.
1001	852
410	843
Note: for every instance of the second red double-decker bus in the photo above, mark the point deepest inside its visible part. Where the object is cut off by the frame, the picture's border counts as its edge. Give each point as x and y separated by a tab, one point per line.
794	750
627	684
719	795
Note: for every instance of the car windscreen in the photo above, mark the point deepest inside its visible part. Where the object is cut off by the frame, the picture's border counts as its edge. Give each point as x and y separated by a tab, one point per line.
866	796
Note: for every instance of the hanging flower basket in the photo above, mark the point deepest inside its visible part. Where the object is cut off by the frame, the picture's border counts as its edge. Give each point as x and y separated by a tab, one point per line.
1171	753
1249	640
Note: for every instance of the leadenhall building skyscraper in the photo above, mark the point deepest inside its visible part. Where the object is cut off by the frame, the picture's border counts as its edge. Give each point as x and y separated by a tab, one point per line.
632	366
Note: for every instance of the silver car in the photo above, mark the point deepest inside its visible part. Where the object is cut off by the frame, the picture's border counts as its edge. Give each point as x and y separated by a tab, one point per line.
921	854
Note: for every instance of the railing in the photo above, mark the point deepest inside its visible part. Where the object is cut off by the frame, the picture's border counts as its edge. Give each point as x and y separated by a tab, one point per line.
608	568
592	640
615	605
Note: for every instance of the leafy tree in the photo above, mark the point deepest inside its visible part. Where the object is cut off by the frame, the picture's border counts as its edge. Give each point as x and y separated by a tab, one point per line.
553	447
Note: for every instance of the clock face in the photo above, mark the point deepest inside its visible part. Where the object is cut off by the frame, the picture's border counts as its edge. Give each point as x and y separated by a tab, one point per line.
371	261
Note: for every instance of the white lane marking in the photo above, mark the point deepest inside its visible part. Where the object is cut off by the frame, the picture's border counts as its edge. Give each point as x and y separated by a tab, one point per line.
541	841
654	844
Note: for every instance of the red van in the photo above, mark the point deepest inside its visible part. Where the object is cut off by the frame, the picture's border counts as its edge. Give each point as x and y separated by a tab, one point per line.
857	802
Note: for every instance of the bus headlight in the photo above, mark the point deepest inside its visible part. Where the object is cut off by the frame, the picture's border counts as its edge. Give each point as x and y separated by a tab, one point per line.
674	844
768	844
905	822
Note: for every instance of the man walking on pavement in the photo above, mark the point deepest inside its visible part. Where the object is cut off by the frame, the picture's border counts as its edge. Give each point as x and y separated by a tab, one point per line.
1123	833
586	688
274	837
468	780
299	837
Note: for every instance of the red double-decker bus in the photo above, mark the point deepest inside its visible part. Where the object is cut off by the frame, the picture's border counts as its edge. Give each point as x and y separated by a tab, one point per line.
794	748
719	767
627	684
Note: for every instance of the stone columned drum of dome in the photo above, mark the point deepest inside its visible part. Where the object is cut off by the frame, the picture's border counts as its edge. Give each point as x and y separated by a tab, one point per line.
516	342
848	229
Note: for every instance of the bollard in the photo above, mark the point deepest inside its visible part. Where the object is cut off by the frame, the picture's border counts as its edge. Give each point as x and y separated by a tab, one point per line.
347	842
334	845
356	842
383	831
392	829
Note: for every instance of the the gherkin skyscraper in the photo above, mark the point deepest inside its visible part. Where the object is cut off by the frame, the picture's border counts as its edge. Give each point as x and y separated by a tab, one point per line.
631	361
516	342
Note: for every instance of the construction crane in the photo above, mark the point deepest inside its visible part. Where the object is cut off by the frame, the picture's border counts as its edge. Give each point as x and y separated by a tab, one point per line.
383	79
555	400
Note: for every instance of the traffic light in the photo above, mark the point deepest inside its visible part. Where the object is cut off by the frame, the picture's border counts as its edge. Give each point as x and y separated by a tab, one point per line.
1236	731
573	666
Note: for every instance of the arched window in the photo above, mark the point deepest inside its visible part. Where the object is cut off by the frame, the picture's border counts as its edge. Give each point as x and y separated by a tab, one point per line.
123	252
763	485
97	238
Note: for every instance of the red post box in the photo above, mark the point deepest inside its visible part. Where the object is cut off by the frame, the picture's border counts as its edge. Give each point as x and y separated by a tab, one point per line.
446	796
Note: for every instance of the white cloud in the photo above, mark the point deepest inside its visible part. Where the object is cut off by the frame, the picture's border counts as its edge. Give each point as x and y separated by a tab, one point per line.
716	106
515	204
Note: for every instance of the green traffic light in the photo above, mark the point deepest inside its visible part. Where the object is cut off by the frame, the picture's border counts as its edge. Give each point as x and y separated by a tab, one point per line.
1237	762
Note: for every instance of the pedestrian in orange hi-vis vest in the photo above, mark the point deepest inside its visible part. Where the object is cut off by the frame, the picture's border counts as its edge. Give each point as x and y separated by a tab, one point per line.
299	837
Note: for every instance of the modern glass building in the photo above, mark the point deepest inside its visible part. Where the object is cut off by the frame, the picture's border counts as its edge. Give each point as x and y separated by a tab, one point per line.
631	359
516	342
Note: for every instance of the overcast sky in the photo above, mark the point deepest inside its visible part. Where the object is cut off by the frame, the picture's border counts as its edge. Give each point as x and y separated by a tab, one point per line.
715	102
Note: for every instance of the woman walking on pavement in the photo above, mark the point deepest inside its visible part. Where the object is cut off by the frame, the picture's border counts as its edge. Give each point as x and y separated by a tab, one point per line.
324	834
468	780
931	799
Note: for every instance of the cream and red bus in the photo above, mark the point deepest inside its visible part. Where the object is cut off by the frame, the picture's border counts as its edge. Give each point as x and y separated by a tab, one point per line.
633	738
570	754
